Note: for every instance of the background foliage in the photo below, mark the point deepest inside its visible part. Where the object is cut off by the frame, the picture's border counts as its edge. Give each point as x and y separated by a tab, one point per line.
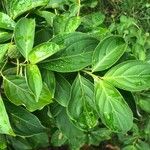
75	74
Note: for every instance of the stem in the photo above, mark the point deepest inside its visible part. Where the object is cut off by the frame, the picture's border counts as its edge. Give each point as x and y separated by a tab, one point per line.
79	5
92	75
3	66
18	67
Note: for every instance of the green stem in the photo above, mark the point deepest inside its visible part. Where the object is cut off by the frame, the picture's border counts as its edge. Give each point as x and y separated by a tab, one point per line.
92	75
79	5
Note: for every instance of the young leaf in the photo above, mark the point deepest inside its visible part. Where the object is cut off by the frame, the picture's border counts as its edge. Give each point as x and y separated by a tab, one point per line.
76	56
43	51
17	91
62	93
34	80
24	36
23	122
130	75
108	52
5	127
3	50
81	107
6	22
112	108
18	7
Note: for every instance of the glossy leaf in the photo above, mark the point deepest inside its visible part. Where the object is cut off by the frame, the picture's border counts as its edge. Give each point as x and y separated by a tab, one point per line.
82	96
34	80
48	16
4	36
64	24
23	122
5	127
76	137
93	20
112	108
76	56
49	78
17	91
24	36
130	75
43	51
18	7
108	52
63	89
6	22
3	50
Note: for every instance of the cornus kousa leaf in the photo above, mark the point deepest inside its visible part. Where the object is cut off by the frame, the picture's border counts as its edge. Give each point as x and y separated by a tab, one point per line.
24	36
4	36
49	78
23	122
81	108
62	93
34	80
6	22
17	91
76	56
130	75
112	108
3	50
18	7
43	51
5	127
108	52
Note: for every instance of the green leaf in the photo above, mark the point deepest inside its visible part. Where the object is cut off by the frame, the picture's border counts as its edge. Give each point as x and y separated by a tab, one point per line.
98	135
108	52
18	7
48	16
76	138
55	3
3	50
4	36
17	91
76	56
3	142
93	20
64	24
39	141
81	105
19	143
34	80
5	127
6	22
130	75
58	139
49	78
23	122
43	51
63	88
143	101
112	108
24	36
